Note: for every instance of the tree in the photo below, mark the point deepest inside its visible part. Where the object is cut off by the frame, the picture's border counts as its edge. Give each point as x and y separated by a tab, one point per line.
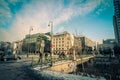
47	42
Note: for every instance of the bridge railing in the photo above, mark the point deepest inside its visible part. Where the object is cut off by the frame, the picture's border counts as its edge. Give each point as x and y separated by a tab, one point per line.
55	59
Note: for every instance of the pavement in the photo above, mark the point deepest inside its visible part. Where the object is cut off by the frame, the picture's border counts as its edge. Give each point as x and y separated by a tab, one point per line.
15	70
18	69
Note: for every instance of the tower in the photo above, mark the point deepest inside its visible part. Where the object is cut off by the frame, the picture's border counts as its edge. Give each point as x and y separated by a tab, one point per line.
116	21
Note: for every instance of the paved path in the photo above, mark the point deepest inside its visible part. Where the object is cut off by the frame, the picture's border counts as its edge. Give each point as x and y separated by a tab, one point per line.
15	70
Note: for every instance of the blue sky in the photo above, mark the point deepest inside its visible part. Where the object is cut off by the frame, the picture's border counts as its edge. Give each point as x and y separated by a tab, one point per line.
90	18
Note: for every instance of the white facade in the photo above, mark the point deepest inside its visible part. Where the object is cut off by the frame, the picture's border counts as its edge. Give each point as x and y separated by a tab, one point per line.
62	42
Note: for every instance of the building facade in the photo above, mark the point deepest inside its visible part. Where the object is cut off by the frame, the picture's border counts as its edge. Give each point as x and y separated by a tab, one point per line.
87	44
107	47
33	43
108	43
116	21
17	47
65	42
62	42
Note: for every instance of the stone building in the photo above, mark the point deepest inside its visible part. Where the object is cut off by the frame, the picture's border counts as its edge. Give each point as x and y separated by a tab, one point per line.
32	43
64	42
87	44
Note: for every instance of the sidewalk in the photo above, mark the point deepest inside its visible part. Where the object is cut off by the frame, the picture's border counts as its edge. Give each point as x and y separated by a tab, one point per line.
50	75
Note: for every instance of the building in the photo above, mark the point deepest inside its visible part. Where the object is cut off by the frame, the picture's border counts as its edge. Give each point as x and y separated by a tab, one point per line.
17	47
65	42
33	38
108	43
62	42
116	21
77	44
87	44
32	43
107	48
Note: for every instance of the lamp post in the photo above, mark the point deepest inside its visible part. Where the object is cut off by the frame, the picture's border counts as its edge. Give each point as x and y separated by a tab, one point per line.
30	29
51	52
82	57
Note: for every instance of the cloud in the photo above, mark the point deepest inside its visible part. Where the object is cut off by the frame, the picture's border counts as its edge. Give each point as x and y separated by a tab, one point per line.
105	4
8	10
5	14
38	13
99	11
5	35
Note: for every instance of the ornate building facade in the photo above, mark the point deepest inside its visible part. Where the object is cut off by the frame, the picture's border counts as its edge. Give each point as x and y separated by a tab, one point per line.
64	42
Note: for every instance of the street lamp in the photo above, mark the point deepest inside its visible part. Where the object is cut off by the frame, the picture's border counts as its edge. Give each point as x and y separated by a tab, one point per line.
51	25
30	29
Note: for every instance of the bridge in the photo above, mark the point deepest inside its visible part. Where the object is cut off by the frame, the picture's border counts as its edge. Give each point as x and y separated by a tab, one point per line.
64	65
67	66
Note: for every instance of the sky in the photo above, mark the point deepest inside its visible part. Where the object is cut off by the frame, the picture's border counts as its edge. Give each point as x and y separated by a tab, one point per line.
90	18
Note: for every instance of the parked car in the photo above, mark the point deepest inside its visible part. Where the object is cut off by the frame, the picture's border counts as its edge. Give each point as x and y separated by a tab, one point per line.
6	57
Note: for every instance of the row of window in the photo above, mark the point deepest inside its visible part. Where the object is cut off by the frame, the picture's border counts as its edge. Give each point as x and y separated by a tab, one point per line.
55	39
59	45
58	39
58	42
60	48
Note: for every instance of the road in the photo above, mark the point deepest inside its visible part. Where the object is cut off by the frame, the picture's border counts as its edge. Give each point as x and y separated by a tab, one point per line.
18	70
15	70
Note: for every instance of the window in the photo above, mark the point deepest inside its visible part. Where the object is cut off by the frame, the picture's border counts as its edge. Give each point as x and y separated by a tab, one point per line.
67	42
53	45
68	38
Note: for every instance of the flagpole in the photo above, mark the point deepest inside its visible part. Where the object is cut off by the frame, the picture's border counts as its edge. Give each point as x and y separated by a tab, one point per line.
51	53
